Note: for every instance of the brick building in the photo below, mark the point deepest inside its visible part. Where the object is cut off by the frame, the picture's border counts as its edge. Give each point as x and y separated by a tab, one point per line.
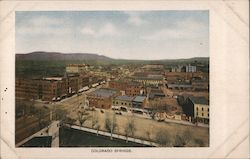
130	88
73	82
102	98
52	89
150	80
48	89
26	88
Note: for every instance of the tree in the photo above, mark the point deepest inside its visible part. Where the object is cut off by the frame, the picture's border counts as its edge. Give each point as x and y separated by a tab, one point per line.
69	121
60	114
162	137
130	128
183	139
97	127
199	142
41	116
110	123
148	135
181	100
82	117
95	119
95	122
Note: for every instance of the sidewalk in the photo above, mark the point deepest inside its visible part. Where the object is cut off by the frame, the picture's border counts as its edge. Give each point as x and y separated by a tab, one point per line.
131	139
53	130
186	123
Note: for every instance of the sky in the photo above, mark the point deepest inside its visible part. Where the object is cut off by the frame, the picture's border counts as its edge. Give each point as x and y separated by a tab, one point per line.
146	35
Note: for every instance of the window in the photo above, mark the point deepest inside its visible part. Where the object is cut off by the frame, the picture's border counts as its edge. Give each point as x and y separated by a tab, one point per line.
202	114
202	108
208	114
116	102
197	108
207	109
122	103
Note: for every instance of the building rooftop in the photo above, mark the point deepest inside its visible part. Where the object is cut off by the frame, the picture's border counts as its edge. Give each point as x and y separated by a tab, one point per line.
139	98
199	100
103	92
124	98
77	65
148	78
53	78
180	85
156	93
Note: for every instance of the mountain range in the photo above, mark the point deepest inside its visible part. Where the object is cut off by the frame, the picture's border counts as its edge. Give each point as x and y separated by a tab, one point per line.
57	56
46	56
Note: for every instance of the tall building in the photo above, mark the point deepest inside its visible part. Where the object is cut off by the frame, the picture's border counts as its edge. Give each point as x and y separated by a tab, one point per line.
48	89
190	68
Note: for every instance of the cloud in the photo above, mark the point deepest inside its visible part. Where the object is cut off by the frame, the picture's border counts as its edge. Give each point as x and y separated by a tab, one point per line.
88	31
45	21
107	29
135	18
42	25
185	29
37	31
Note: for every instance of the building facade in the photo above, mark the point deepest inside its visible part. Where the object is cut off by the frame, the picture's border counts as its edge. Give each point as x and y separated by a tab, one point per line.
130	88
190	68
197	108
102	98
139	102
123	101
48	89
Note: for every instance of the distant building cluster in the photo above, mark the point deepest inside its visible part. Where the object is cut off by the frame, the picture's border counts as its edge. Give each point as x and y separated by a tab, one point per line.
153	89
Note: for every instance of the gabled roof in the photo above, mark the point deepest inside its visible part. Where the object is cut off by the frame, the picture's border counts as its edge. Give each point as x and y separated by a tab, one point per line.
199	100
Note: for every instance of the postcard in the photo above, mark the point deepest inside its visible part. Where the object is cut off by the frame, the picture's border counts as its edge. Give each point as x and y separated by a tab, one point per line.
124	80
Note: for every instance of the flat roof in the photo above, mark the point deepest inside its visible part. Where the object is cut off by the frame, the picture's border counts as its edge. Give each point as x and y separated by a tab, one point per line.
125	98
103	92
139	98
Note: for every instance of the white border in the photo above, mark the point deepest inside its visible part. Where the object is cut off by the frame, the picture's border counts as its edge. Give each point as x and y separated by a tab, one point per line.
229	81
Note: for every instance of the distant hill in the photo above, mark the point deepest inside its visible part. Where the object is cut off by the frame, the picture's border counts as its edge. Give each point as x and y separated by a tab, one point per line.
51	56
91	58
53	63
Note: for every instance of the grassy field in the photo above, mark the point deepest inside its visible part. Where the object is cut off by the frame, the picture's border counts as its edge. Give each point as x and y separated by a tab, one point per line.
152	130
